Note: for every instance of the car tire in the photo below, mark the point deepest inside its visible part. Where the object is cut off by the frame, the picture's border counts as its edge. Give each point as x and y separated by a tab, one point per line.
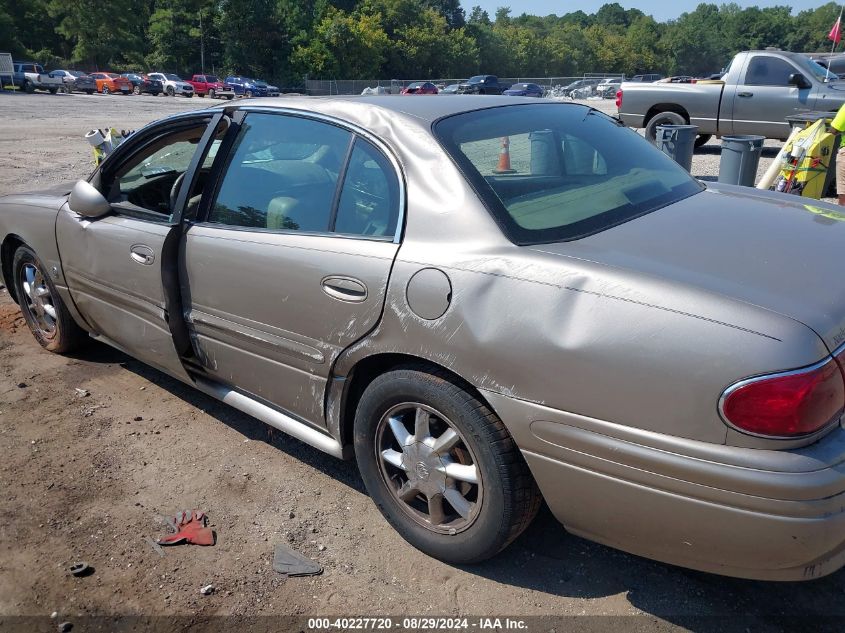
662	118
136	90
212	93
89	92
53	90
230	97
105	89
248	94
169	91
43	309
28	87
702	139
460	504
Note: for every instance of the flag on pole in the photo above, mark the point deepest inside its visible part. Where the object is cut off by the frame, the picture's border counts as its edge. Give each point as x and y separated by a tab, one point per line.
835	34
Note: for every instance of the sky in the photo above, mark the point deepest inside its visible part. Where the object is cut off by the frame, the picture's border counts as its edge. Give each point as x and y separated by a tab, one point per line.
660	9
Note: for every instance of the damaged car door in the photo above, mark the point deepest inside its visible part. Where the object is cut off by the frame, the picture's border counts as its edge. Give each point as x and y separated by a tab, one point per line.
120	268
287	262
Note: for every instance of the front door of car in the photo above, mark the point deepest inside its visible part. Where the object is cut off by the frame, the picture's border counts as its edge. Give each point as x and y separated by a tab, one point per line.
288	261
764	97
121	268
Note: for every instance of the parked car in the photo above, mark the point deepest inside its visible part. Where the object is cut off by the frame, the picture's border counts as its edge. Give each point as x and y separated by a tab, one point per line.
173	84
246	87
451	89
608	87
111	83
524	90
272	91
835	62
486	343
143	84
756	94
648	78
420	88
483	85
85	83
581	88
68	78
212	86
30	77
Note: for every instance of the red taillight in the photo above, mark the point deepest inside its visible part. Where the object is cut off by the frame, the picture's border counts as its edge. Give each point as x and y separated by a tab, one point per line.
618	99
786	405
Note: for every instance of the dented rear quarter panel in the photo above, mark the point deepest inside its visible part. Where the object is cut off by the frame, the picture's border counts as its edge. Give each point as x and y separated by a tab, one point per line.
574	335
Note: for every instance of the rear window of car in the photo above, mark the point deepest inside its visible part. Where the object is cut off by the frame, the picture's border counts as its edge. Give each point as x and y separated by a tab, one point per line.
558	172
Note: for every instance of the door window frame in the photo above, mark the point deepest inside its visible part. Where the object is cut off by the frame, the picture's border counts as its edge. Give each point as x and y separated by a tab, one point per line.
103	179
225	153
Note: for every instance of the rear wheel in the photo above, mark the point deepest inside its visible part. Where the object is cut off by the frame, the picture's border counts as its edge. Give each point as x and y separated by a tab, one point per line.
105	89
53	91
212	93
441	467
136	90
28	87
248	94
169	91
89	92
43	309
702	139
662	118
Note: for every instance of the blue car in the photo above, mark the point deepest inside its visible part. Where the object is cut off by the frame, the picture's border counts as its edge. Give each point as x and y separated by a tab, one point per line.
246	87
524	90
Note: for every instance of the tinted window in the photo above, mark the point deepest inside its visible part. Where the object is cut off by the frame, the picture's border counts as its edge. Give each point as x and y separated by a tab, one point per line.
369	201
282	175
212	79
768	71
573	171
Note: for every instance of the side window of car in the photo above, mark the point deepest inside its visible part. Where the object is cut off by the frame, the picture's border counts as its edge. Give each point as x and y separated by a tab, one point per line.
369	200
150	178
282	174
768	71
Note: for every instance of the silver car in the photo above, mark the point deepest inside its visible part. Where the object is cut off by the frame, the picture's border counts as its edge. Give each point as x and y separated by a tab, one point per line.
486	302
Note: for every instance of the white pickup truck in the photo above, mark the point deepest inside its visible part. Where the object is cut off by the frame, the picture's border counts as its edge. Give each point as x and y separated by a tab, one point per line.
32	77
755	95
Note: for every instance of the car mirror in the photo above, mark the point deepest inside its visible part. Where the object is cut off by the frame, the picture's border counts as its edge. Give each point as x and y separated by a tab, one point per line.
797	79
87	201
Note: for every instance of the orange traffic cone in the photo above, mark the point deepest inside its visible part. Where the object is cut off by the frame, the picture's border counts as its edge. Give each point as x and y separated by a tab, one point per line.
504	166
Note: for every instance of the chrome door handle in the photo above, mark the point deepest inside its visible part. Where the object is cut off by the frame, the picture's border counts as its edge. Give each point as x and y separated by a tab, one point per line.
745	94
142	254
344	288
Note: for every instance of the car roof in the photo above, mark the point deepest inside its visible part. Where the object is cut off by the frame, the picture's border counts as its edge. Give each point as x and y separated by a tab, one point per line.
424	109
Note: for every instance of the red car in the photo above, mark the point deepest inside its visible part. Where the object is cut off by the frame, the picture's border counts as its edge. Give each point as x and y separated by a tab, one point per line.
112	82
212	86
420	88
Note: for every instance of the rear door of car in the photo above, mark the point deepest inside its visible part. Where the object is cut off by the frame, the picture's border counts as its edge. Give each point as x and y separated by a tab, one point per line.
121	269
287	261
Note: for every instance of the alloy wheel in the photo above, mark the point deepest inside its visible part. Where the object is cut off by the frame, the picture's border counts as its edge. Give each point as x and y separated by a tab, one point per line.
38	302
429	468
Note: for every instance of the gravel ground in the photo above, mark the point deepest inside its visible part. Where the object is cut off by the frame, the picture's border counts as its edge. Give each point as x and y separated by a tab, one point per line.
88	477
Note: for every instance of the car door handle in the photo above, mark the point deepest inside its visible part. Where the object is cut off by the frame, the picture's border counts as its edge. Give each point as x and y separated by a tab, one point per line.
142	254
745	94
344	288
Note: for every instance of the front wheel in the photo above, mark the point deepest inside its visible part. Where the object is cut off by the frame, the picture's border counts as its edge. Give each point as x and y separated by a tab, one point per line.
441	467
248	94
212	93
169	91
662	118
43	309
136	90
105	89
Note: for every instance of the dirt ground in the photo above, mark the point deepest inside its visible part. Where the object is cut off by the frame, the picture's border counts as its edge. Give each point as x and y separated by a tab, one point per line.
89	478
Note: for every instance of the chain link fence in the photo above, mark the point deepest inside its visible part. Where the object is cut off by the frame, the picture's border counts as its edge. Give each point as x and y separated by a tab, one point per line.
322	87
